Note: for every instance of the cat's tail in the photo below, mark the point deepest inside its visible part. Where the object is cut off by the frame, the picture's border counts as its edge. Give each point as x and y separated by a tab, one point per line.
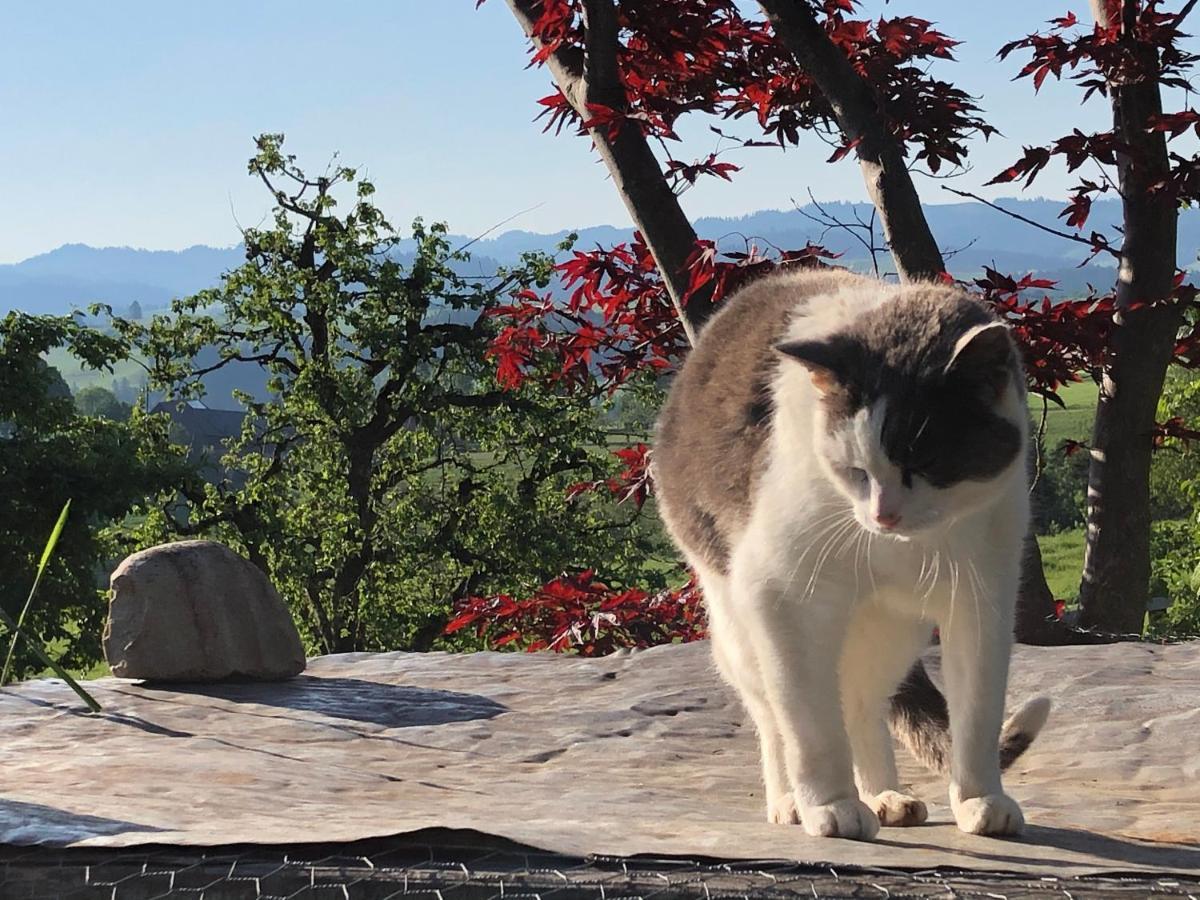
920	719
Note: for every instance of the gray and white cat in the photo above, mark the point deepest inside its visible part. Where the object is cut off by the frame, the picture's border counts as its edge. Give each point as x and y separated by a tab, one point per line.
843	462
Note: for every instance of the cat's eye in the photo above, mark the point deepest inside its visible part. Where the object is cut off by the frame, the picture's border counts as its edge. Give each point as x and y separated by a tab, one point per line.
857	476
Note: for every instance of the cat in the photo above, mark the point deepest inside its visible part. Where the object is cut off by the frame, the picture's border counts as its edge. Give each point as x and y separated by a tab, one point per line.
843	463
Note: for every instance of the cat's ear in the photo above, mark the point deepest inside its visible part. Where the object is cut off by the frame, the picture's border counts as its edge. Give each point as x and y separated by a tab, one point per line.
984	356
829	361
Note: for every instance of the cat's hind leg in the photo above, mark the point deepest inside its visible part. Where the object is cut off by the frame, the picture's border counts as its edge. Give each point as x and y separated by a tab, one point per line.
735	661
880	647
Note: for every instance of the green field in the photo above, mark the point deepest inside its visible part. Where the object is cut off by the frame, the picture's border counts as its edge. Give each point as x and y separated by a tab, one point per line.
1062	554
1062	559
77	376
1074	422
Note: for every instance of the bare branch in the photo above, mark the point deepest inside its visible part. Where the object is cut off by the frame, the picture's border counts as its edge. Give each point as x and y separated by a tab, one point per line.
830	222
479	237
272	357
1066	235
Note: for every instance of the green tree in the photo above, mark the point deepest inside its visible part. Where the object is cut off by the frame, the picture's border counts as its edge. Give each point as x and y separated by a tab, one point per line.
49	453
388	475
102	403
1175	471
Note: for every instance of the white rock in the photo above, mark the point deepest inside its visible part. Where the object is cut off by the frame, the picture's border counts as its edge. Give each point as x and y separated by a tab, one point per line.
196	611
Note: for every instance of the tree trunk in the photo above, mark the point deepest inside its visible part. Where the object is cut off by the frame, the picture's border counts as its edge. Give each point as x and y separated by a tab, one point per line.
1116	568
592	78
860	117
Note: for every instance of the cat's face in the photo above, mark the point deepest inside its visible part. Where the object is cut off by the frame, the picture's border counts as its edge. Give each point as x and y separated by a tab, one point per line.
915	438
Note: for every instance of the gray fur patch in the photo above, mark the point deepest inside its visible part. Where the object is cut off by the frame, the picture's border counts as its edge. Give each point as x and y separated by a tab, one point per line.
713	428
920	719
1012	746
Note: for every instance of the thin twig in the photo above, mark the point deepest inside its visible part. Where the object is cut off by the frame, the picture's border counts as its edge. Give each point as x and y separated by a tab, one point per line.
500	224
1096	248
830	222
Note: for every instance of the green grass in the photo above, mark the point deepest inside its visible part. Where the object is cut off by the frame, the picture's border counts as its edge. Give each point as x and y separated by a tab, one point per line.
78	376
1072	423
1062	553
1062	559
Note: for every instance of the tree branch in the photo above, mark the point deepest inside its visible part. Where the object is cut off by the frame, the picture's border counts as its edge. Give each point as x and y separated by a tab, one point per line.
594	78
271	357
1066	235
864	123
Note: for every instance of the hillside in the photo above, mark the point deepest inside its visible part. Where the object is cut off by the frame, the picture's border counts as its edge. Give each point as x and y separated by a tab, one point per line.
75	275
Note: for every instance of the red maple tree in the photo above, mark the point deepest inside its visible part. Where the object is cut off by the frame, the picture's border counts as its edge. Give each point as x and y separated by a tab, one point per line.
626	72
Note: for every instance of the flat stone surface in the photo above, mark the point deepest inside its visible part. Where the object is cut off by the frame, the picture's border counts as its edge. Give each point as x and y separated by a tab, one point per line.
642	753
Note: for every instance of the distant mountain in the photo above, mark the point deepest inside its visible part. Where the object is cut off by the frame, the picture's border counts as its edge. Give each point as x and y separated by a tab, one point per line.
971	234
75	275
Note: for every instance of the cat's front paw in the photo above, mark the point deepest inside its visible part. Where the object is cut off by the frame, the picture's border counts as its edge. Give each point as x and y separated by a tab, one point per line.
897	810
850	819
781	810
994	814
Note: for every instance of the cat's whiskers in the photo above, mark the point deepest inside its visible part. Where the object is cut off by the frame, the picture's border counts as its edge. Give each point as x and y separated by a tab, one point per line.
850	540
826	524
980	590
823	556
858	546
935	571
871	568
953	594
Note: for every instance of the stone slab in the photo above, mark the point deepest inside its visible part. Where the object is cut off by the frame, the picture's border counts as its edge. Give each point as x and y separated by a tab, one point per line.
636	753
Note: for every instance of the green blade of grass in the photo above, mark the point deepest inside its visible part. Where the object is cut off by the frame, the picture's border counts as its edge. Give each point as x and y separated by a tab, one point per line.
15	627
47	552
51	664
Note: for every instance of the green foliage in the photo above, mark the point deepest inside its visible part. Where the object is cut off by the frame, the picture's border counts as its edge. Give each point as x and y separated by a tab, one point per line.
1175	471
388	475
1072	421
634	407
1060	493
1175	504
1175	573
50	454
102	403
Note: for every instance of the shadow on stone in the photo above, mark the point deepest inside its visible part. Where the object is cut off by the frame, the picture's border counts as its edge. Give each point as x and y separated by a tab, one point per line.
1114	851
1117	850
34	823
386	705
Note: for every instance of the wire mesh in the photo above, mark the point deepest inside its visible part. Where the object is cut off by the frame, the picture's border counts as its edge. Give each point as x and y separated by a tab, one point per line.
451	866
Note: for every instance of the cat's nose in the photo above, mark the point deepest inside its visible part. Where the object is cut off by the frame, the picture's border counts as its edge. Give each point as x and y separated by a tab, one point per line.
887	520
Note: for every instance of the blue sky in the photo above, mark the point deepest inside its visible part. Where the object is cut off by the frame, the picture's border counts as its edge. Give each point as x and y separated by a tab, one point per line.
130	122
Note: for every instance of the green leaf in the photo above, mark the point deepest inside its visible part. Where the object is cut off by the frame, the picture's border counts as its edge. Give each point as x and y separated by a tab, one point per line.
51	543
15	627
47	552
